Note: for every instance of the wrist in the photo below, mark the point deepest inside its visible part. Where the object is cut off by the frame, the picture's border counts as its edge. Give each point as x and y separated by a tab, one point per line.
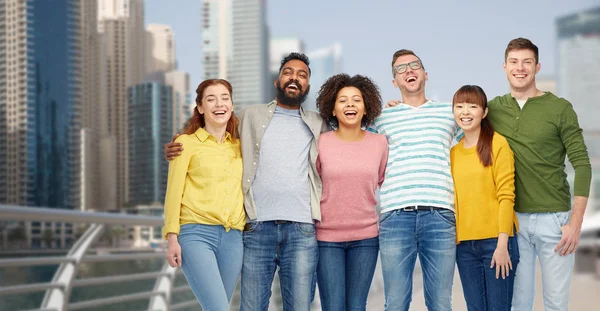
171	236
502	240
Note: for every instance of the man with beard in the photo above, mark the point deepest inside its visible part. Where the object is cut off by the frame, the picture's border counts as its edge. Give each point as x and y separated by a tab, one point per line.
282	191
417	195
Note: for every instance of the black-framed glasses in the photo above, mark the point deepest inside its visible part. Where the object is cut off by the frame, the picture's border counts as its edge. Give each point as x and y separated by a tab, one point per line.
414	65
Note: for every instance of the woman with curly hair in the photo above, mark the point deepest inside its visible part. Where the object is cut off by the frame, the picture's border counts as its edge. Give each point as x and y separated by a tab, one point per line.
352	164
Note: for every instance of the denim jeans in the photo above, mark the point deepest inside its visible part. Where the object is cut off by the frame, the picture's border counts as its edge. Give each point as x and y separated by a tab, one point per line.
290	245
539	233
430	234
482	290
345	273
211	262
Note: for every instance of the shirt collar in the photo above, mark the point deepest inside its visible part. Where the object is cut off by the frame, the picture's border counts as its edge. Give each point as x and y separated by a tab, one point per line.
203	135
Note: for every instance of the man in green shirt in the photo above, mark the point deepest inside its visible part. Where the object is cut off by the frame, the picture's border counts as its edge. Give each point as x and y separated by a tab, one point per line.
542	129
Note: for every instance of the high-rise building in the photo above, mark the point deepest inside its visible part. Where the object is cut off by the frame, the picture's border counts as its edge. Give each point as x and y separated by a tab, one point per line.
160	48
114	35
121	24
216	38
324	63
278	49
93	110
181	107
150	128
132	11
249	69
44	67
41	101
579	64
235	43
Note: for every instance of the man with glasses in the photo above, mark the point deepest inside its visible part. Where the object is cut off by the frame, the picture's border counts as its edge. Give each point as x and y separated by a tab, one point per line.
417	196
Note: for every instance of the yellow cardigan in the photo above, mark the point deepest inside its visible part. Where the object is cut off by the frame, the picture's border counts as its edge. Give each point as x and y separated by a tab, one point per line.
484	196
205	184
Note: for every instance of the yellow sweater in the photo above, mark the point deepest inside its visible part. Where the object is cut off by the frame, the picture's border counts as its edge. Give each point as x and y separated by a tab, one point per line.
205	184
484	196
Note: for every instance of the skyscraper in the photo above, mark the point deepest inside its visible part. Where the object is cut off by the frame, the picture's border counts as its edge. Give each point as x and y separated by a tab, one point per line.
249	69
579	64
42	65
121	25
150	127
216	38
235	44
324	63
160	48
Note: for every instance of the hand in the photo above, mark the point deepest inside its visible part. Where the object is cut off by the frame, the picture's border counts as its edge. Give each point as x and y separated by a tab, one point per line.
501	259
173	149
392	103
173	251
571	233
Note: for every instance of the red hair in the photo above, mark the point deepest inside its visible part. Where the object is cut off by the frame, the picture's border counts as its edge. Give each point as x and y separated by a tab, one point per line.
197	119
474	94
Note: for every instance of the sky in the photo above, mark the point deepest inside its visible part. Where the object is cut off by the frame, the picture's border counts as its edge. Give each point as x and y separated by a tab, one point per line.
459	42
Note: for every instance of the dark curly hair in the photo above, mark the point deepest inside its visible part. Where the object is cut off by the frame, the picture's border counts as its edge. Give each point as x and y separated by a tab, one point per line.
294	55
328	94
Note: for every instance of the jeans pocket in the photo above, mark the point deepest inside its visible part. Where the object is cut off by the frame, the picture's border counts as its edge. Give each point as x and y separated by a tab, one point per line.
385	216
446	215
308	229
562	217
251	226
186	229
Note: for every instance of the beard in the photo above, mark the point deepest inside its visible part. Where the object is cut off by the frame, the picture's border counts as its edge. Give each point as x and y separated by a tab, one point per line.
294	100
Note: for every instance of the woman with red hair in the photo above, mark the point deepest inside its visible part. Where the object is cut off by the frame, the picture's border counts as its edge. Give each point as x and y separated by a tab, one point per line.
204	210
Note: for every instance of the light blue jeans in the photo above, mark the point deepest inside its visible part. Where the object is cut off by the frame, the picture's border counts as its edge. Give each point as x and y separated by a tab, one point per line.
539	233
429	234
211	263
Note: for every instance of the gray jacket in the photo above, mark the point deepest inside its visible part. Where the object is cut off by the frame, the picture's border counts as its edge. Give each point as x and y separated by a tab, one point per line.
254	120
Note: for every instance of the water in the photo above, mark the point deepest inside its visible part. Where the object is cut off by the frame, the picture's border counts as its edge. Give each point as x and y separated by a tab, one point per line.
29	275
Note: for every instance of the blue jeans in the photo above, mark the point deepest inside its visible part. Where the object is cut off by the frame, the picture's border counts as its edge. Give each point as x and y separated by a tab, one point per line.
211	262
290	245
430	234
482	290
539	233
345	273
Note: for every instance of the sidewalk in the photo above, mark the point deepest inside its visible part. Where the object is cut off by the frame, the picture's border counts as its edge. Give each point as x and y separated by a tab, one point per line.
585	293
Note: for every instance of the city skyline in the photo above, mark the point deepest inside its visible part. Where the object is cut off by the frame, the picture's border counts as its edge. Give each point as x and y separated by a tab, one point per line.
470	34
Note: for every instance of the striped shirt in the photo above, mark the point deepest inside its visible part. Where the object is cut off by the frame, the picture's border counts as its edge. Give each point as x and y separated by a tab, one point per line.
418	168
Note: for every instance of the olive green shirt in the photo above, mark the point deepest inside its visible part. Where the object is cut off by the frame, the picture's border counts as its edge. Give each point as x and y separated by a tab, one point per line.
540	136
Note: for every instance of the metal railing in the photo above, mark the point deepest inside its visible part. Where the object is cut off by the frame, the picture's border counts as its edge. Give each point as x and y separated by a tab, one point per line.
58	290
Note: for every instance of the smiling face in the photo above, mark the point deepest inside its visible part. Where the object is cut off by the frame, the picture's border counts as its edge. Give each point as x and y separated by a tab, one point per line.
349	107
521	67
216	106
293	83
412	81
468	116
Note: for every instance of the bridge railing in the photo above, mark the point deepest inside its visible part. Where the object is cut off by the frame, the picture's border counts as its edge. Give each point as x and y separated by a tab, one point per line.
58	290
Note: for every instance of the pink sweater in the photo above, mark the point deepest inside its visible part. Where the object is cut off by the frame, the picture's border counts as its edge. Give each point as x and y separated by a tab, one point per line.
351	173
